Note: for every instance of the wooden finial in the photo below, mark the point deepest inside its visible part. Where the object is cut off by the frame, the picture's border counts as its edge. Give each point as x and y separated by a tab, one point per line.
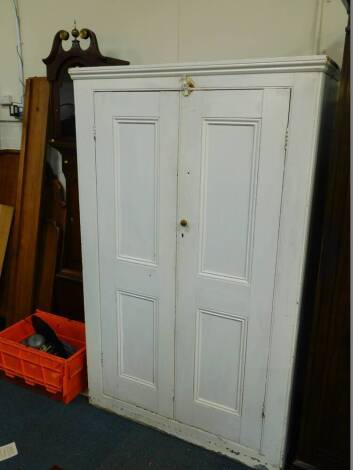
75	32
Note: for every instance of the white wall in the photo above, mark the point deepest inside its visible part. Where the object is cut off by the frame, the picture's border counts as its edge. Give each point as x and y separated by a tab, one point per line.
10	132
157	31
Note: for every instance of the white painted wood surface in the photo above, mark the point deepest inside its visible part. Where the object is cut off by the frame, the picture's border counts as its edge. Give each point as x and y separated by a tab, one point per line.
136	152
232	149
315	63
307	80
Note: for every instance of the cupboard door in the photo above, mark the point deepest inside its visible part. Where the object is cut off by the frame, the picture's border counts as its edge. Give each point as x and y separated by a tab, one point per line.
136	160
232	151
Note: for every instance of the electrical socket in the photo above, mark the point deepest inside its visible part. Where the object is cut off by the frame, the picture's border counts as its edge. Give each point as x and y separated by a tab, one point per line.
16	111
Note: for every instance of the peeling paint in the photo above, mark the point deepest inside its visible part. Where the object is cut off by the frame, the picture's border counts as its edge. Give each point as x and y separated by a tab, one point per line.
193	436
235	452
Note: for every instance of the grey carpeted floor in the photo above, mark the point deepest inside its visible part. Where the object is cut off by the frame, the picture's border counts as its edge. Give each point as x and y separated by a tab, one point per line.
80	437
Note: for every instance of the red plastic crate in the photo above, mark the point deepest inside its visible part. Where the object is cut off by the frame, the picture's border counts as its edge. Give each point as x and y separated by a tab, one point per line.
67	377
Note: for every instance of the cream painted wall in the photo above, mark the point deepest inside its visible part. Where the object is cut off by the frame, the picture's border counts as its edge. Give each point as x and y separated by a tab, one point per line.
157	31
10	132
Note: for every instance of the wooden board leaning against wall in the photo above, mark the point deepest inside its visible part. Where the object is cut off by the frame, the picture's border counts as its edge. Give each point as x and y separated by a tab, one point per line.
6	214
17	295
8	189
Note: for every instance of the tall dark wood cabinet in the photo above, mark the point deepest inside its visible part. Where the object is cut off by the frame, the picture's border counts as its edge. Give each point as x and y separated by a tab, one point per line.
67	290
320	433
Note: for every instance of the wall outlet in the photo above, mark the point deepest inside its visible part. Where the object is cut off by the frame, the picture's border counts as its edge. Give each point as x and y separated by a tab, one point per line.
16	111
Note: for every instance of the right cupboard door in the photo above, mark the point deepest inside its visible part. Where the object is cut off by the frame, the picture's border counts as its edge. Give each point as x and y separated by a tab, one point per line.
231	165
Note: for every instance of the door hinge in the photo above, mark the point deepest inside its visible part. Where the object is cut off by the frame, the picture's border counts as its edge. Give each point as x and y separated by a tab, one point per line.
94	132
286	138
187	86
101	358
263	414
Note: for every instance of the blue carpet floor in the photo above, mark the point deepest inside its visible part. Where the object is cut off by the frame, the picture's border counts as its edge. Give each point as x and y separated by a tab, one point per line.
81	437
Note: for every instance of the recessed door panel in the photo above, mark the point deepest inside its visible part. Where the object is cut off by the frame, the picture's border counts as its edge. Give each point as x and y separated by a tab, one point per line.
136	159
230	181
137	318
136	164
227	197
219	360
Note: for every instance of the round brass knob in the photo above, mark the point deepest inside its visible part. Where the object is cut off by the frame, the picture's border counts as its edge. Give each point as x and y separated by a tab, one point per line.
84	33
183	222
64	35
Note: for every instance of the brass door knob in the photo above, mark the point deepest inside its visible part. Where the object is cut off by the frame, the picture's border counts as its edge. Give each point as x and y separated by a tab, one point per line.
183	222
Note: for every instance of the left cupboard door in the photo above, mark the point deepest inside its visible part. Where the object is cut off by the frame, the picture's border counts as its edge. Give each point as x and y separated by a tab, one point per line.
136	163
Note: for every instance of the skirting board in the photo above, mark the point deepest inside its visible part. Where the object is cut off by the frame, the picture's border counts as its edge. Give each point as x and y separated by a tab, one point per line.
183	431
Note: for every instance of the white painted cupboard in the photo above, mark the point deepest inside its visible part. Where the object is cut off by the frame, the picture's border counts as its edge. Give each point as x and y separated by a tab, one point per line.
195	185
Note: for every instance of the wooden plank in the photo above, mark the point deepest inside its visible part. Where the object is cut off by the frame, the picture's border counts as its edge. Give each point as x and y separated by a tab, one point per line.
28	199
6	214
47	266
8	176
52	230
9	162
